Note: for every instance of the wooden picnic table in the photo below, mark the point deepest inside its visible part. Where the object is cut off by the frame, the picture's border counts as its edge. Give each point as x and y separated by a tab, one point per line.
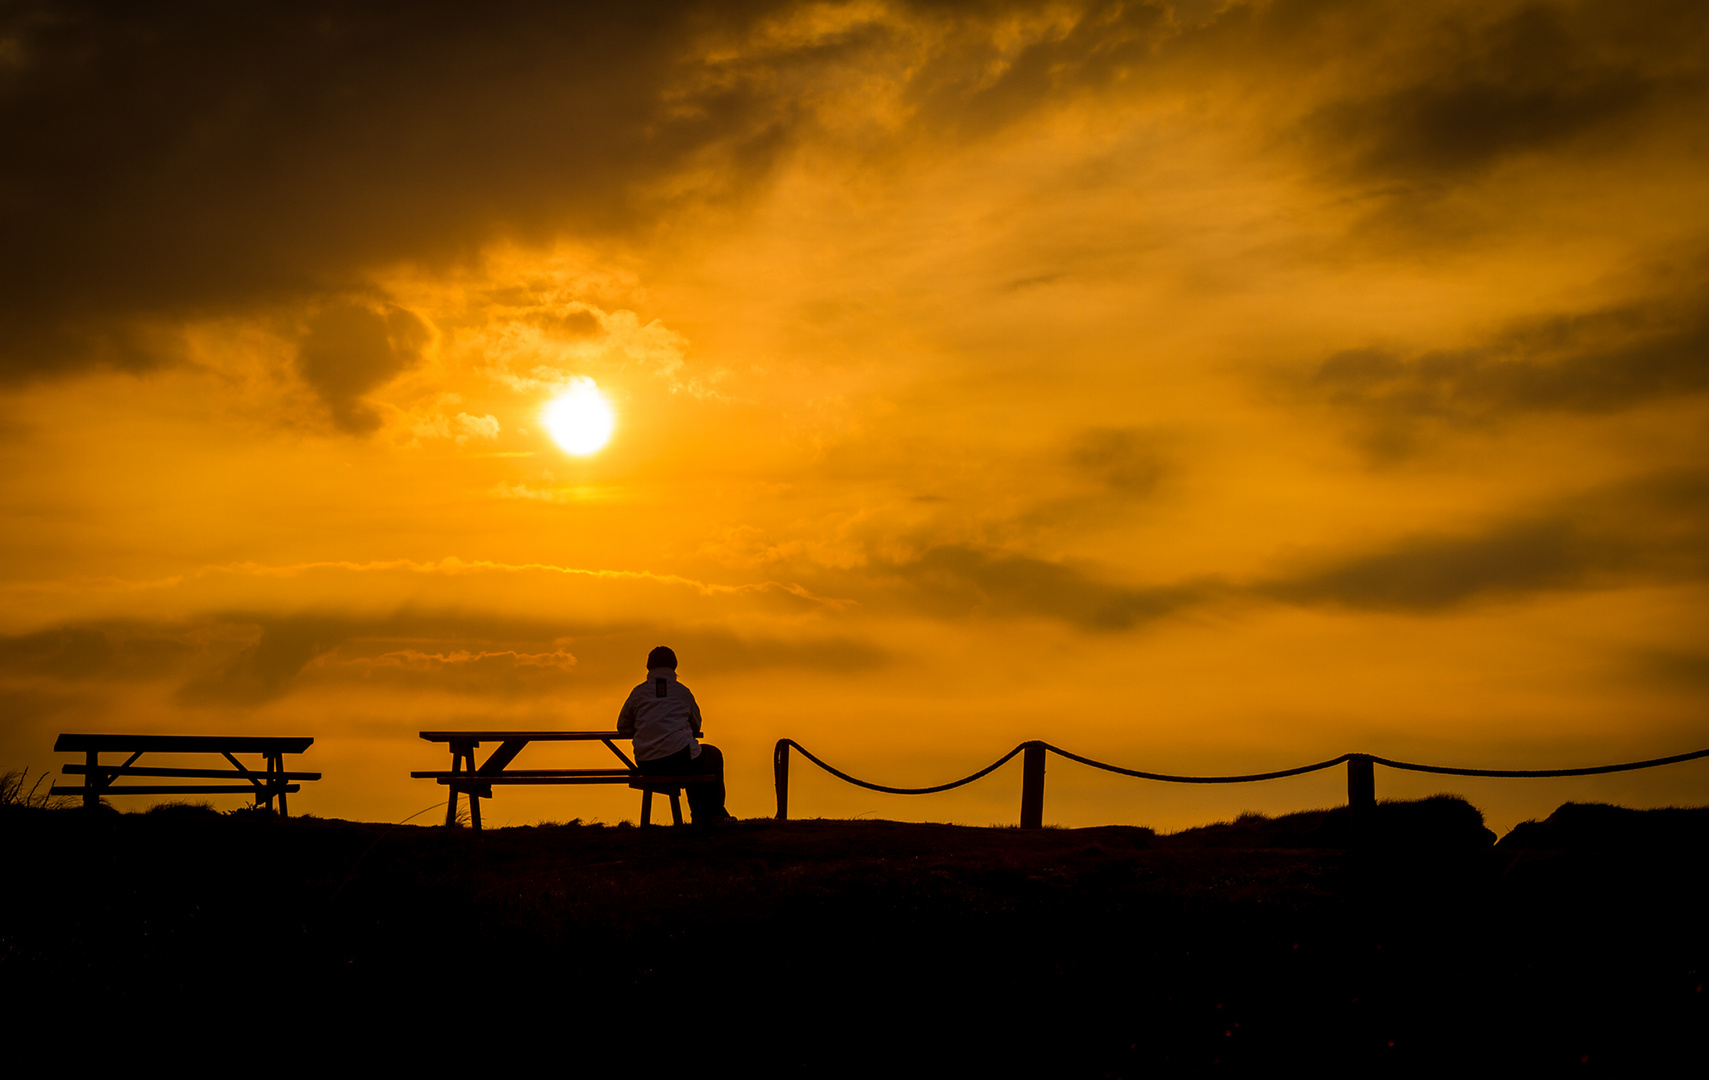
269	782
466	778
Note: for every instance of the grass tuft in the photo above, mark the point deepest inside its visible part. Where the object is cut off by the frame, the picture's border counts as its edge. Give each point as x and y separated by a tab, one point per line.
13	793
182	809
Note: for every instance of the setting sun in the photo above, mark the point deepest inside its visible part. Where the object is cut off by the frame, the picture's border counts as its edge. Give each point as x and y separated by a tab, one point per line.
580	418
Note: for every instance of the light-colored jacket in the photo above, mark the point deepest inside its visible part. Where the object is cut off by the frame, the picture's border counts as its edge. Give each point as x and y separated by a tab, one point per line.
661	716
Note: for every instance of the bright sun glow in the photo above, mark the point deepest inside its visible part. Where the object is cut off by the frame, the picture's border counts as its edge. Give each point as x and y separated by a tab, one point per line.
579	419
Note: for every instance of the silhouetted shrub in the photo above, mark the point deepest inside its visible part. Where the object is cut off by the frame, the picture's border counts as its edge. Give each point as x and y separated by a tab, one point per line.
1440	821
1437	821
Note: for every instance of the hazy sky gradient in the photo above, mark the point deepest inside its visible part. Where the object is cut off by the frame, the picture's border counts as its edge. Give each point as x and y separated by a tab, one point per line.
1201	387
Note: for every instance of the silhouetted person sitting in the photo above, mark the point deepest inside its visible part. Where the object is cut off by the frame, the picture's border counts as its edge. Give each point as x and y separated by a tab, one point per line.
662	718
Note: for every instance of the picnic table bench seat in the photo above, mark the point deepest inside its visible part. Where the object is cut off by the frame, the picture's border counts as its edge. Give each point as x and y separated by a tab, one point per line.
666	785
271	781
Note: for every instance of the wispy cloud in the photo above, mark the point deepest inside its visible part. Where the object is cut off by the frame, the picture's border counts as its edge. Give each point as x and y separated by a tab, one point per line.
450	566
1600	361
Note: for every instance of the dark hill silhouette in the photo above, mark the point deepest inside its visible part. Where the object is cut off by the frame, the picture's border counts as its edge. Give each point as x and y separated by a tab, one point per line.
1444	822
835	947
1600	827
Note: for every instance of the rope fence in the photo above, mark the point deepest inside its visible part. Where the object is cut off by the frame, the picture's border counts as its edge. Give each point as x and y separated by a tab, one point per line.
1361	777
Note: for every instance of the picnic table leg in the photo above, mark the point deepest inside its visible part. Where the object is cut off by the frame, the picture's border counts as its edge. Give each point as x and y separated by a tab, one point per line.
475	810
676	806
646	807
92	778
278	766
458	752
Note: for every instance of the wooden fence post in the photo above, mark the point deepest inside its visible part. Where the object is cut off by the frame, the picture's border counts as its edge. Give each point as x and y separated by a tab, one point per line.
780	770
1032	786
1361	786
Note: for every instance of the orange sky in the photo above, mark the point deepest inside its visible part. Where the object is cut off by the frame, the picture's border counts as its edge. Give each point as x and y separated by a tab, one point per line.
1200	387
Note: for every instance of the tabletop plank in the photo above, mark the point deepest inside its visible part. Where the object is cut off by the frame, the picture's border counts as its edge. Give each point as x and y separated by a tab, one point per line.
476	780
170	789
166	744
530	773
530	736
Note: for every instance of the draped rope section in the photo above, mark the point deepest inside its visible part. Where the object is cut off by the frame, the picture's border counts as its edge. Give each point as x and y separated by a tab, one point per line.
784	744
1592	770
1360	786
1172	779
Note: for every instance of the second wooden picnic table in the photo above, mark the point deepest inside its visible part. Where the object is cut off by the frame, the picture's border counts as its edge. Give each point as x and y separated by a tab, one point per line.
466	778
264	784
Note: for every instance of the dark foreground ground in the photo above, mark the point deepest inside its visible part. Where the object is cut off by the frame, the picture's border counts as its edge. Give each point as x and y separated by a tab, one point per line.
827	947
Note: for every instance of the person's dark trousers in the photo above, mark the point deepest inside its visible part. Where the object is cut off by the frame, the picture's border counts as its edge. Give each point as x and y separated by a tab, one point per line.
705	801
